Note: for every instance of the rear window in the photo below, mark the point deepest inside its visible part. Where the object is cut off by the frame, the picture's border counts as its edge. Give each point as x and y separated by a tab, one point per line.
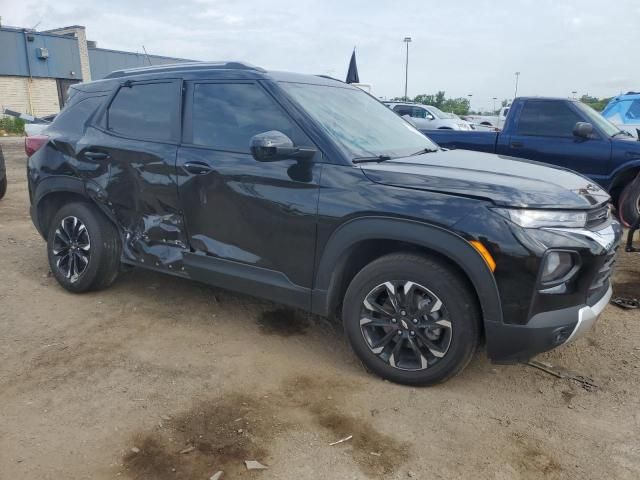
73	118
147	111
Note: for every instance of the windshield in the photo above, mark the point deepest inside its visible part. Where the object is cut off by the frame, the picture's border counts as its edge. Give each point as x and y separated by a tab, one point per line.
439	113
595	118
358	123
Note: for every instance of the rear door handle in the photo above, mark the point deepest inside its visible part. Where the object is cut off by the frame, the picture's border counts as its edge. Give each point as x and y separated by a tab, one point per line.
91	155
517	144
197	168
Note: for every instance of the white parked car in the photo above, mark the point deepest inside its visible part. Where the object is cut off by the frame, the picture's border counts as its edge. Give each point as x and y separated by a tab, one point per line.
427	117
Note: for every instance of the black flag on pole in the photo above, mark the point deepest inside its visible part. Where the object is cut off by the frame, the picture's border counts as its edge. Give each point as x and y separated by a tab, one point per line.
352	74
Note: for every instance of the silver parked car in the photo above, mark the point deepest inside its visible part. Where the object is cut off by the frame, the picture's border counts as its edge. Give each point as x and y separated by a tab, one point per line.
428	117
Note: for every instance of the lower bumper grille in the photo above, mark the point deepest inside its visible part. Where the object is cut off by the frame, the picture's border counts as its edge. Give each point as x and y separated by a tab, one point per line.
600	283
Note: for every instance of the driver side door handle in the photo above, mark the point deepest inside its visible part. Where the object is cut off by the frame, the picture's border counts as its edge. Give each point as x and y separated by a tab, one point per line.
197	168
517	145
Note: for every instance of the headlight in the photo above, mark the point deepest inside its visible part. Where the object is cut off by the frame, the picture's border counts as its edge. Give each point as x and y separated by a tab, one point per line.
544	218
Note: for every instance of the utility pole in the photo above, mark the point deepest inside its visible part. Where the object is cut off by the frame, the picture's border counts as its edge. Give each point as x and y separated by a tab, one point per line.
406	40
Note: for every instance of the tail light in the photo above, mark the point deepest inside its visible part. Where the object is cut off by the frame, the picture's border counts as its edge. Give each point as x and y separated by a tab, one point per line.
34	143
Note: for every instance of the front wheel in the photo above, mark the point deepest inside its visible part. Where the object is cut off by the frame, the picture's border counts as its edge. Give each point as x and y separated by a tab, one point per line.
411	319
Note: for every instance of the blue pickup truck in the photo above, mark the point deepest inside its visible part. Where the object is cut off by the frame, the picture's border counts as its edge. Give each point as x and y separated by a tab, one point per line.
566	133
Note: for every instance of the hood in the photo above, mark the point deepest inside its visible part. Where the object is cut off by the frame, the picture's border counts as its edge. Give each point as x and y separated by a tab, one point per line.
503	180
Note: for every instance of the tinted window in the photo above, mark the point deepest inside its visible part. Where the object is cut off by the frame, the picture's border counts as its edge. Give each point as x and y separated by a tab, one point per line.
403	110
147	111
419	112
226	116
73	118
552	119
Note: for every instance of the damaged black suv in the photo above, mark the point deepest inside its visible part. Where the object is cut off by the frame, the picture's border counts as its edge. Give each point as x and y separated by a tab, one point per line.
311	193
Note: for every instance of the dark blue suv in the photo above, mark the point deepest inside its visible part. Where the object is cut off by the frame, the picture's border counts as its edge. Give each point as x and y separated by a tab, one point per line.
311	193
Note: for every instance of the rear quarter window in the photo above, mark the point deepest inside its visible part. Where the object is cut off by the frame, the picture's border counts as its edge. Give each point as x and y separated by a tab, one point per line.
76	114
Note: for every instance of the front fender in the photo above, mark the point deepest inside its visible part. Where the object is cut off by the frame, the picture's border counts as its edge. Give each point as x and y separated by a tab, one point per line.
444	242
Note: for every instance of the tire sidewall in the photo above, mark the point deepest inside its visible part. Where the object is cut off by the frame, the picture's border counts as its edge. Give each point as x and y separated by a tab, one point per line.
3	187
456	299
628	203
85	214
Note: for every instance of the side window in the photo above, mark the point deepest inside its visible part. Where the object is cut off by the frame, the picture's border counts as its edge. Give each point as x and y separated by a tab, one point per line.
403	110
419	112
147	111
226	115
549	119
634	110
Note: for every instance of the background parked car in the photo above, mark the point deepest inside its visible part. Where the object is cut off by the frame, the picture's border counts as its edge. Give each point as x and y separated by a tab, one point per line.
428	117
624	112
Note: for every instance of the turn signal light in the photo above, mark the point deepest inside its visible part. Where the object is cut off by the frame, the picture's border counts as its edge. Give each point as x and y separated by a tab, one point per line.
484	253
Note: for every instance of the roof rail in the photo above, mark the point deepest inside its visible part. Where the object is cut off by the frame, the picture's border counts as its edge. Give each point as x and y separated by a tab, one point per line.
184	66
329	77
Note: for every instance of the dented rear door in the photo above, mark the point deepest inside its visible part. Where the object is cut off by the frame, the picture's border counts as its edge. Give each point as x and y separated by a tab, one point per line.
138	142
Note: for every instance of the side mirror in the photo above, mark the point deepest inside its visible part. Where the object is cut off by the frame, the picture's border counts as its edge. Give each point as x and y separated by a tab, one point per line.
274	145
430	117
583	130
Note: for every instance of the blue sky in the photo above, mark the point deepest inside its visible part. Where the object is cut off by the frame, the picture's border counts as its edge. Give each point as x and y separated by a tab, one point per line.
463	47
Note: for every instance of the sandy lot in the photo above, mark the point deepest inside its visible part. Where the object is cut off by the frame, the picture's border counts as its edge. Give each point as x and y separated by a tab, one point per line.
162	366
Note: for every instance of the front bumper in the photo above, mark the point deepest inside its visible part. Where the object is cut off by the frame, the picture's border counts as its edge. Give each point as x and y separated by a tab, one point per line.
555	319
588	315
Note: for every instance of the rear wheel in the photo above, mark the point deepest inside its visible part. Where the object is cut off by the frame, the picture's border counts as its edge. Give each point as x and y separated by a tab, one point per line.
3	186
629	203
83	247
411	319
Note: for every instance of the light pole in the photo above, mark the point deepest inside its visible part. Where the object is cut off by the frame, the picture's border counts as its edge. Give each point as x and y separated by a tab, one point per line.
494	104
517	77
406	40
574	94
470	95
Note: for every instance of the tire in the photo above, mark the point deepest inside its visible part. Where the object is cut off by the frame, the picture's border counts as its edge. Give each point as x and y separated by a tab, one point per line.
437	295
3	187
93	242
629	203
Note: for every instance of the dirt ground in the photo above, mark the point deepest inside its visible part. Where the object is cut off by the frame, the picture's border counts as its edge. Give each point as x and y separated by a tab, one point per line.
162	378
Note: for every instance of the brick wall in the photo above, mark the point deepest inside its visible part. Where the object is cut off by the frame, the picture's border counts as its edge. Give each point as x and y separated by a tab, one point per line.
14	94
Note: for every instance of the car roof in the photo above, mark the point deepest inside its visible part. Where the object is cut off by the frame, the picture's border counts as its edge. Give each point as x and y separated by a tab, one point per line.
222	69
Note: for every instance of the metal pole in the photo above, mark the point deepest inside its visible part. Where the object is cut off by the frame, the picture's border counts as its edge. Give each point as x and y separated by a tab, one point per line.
406	68
494	103
406	74
517	77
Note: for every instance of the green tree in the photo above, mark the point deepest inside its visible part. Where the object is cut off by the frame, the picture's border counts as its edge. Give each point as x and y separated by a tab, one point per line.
594	102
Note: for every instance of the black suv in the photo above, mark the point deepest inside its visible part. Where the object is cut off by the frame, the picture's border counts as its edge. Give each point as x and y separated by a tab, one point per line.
311	193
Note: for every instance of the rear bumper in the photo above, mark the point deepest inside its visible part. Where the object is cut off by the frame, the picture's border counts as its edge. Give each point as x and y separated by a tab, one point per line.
545	331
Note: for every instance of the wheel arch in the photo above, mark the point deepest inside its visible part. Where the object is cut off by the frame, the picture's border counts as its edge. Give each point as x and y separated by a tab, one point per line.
362	240
621	180
56	191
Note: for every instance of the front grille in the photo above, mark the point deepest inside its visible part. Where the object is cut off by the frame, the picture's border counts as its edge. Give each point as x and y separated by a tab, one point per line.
597	216
600	283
